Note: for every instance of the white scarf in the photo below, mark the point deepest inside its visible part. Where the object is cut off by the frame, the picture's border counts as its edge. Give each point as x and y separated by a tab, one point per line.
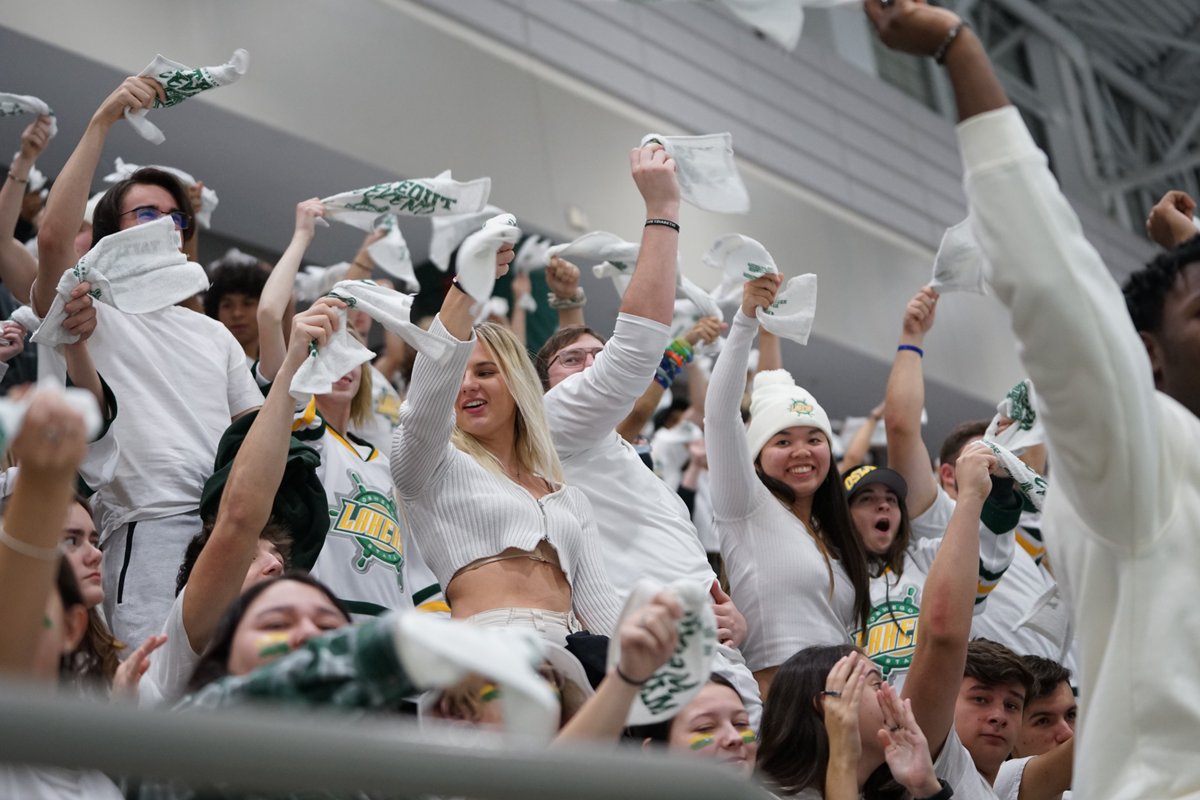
420	197
180	83
708	177
137	271
742	259
677	682
208	198
13	104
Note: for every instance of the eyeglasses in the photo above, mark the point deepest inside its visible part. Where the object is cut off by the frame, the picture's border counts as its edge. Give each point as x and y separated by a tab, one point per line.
144	214
575	357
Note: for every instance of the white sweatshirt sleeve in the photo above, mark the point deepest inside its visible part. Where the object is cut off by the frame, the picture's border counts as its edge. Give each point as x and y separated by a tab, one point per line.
420	442
587	406
736	491
1076	341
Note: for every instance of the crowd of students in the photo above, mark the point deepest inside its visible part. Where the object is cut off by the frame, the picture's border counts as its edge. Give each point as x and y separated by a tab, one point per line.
571	543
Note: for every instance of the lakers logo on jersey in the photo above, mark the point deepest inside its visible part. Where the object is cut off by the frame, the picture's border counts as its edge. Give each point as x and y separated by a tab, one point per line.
891	636
369	518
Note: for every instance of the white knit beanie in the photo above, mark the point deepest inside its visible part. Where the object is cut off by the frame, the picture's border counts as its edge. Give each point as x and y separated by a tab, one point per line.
777	403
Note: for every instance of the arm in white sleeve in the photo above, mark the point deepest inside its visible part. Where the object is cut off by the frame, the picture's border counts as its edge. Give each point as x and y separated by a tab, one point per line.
427	416
1076	340
593	596
587	406
735	489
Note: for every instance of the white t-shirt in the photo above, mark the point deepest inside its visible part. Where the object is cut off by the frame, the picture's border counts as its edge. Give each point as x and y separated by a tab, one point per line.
955	766
172	665
53	783
178	378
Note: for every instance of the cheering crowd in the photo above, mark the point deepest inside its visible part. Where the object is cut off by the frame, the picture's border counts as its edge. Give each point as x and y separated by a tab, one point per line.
220	497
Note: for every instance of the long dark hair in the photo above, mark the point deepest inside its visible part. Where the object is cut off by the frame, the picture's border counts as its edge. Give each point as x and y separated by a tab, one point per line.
214	662
834	532
793	747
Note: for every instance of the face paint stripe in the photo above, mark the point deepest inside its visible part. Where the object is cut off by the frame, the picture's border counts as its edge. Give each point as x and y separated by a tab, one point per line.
699	741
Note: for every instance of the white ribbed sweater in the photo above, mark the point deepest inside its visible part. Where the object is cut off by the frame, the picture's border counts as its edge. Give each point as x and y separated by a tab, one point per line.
777	576
461	512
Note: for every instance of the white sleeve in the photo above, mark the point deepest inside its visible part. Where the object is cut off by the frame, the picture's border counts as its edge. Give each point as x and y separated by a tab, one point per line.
241	388
172	665
1076	340
587	406
735	489
420	441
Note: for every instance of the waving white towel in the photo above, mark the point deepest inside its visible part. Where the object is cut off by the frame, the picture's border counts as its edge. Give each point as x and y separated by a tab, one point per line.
958	265
13	104
619	257
1029	483
137	270
342	352
392	255
12	412
679	680
476	263
180	83
708	177
448	232
438	653
742	259
314	281
420	197
1021	406
208	198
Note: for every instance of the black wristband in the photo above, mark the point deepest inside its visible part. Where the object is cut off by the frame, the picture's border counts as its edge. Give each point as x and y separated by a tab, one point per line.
944	47
667	223
628	679
454	282
945	794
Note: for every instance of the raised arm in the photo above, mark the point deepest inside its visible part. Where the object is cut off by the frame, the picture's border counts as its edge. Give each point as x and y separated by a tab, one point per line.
651	292
68	198
49	449
17	267
249	494
948	603
1169	223
277	292
567	296
1047	776
860	444
735	487
904	401
522	287
427	416
1077	343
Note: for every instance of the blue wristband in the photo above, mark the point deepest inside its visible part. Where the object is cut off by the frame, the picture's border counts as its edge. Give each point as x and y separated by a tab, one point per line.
912	347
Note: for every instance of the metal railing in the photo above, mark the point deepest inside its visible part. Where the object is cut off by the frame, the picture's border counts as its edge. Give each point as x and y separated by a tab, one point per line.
279	751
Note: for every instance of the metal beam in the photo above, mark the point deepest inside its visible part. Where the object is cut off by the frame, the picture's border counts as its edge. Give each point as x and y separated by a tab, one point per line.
1125	29
277	752
1154	172
1184	136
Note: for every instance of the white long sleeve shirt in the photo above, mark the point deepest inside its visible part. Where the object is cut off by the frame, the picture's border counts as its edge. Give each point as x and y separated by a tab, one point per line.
461	512
645	528
791	596
1122	511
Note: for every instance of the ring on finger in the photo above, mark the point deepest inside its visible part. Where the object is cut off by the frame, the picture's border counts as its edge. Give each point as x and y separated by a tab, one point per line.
831	693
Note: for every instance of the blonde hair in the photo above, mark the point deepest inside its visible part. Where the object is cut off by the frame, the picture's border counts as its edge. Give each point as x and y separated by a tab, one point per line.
535	448
362	407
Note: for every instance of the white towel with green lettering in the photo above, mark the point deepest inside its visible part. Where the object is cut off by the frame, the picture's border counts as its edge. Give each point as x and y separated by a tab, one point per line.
708	177
181	82
742	259
14	104
418	197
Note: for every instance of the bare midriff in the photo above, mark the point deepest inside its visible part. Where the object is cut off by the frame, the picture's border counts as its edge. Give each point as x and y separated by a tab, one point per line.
512	578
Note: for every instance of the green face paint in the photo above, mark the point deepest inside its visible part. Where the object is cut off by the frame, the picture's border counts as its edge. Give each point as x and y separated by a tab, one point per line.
748	736
47	623
699	741
489	693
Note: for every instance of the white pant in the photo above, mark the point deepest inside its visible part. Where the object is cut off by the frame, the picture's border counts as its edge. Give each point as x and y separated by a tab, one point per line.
141	562
553	626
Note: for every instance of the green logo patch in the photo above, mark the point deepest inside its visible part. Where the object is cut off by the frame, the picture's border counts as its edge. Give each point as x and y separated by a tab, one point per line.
369	518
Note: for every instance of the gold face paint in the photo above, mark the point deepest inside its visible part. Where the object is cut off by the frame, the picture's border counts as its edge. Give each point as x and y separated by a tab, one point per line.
273	644
748	736
489	692
699	741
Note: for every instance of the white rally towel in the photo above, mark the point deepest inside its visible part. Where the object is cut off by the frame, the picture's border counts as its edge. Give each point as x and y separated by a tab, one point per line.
181	82
208	198
137	270
392	255
532	254
708	177
342	352
1021	406
742	259
683	676
476	265
1031	485
14	104
314	281
958	265
420	197
12	412
448	232
438	653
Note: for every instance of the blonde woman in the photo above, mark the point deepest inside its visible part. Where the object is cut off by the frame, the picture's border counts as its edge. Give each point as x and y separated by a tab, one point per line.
475	466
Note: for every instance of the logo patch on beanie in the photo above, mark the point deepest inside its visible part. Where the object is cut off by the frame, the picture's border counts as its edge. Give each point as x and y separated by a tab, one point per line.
801	407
